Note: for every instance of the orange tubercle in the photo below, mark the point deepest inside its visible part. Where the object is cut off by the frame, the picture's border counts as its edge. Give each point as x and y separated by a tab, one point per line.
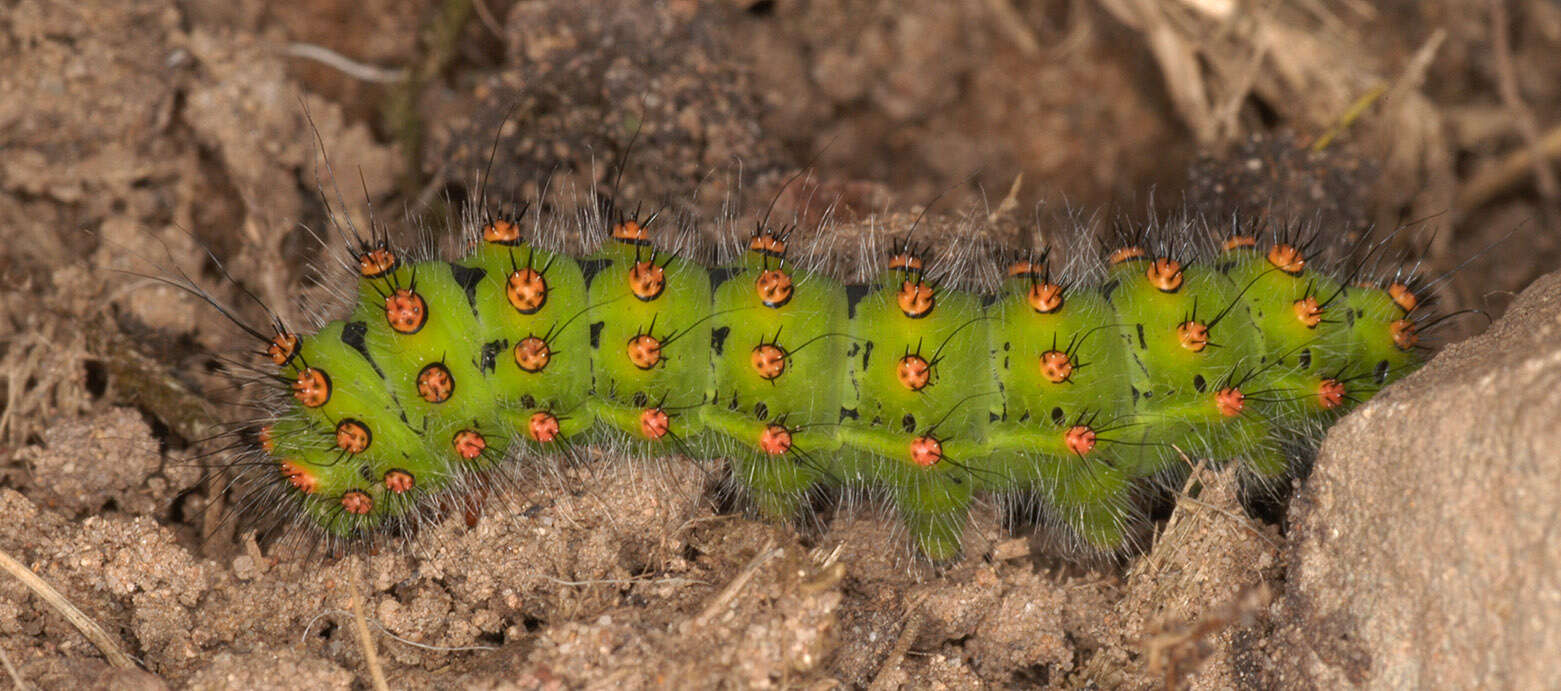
398	481
1404	336
1286	258
542	427
774	288
769	361
1330	394
283	348
644	351
1230	401
469	444
775	440
301	478
526	290
926	451
405	311
312	387
1056	366
654	423
1193	336
1164	274
1044	298
1080	439
916	299
357	502
1308	311
914	372
532	354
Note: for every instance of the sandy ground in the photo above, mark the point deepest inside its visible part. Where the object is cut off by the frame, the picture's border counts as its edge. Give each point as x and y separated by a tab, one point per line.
134	136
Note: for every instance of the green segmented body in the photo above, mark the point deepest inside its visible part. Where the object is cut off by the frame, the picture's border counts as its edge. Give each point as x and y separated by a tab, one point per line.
932	395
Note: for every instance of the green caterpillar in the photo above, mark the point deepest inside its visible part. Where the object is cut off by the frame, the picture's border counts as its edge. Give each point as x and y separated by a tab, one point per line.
1077	387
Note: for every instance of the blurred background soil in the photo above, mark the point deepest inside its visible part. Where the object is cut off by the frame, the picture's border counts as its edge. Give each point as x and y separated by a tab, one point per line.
156	137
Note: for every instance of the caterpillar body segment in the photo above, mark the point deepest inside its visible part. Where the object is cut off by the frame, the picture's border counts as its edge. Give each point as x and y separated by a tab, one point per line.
650	312
1073	390
779	334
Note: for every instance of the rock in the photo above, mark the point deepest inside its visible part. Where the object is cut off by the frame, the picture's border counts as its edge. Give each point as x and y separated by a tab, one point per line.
1424	547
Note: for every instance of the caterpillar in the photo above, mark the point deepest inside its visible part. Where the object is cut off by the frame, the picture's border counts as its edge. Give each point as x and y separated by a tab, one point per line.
927	378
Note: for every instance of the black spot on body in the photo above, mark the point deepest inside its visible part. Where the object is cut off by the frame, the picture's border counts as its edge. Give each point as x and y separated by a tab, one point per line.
1380	373
1305	358
761	411
596	334
468	277
854	295
591	267
718	338
352	334
721	275
848	414
1198	383
908	423
1142	345
490	353
1058	417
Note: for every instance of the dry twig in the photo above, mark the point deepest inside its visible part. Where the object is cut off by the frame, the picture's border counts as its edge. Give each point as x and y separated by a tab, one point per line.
76	617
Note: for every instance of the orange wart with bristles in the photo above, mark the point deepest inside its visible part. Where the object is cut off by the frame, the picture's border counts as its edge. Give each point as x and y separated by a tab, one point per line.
1404	336
1056	366
1330	394
435	384
1230	401
299	477
353	436
1123	254
406	311
769	361
774	288
532	354
357	502
654	423
377	262
905	261
1236	242
1080	439
501	232
469	444
1164	274
647	280
775	440
526	290
1308	311
542	426
312	387
1403	297
399	481
769	244
926	451
282	349
1044	298
1193	336
1286	258
644	351
913	372
916	299
631	232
